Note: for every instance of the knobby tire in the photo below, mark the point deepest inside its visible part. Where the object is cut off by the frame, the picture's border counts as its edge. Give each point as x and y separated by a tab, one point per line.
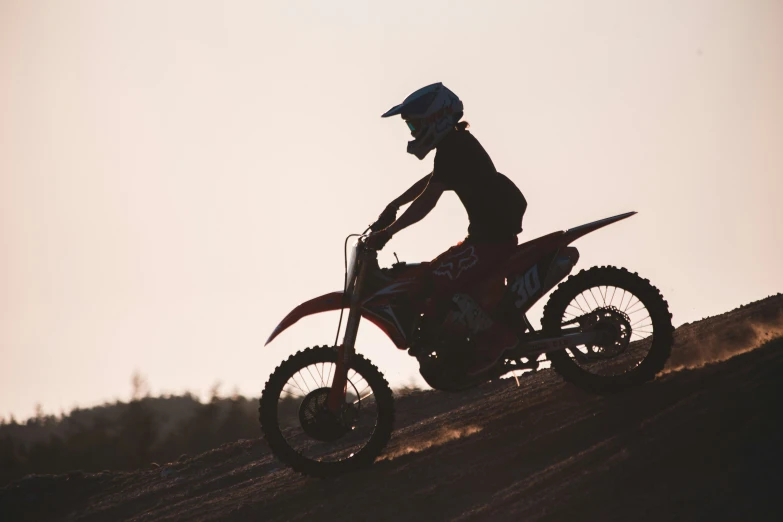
268	413
650	296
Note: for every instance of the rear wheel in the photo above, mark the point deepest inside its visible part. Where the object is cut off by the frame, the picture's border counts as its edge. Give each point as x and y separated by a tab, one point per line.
629	310
300	429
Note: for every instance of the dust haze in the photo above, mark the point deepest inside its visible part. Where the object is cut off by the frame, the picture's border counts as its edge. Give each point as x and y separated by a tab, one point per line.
718	338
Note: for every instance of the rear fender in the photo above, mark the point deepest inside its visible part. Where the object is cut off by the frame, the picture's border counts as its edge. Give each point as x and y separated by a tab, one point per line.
547	259
572	234
530	253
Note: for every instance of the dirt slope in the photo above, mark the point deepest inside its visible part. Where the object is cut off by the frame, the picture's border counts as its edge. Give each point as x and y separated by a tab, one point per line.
704	441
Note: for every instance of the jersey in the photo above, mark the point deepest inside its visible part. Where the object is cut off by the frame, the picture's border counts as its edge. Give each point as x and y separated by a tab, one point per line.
494	204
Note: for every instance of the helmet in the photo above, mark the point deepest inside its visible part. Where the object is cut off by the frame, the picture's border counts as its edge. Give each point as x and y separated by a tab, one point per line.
431	113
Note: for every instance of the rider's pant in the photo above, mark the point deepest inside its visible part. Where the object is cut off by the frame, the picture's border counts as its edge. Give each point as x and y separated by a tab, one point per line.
472	268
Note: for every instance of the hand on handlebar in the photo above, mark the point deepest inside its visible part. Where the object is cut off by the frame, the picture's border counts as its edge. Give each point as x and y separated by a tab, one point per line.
387	217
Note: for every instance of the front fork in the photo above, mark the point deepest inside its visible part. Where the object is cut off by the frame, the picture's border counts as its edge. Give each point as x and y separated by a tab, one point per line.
346	350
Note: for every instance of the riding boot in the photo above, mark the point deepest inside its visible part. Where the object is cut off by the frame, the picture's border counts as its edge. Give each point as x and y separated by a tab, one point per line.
491	344
491	338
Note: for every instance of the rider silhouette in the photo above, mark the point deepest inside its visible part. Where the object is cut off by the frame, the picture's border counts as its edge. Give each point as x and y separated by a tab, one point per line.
464	292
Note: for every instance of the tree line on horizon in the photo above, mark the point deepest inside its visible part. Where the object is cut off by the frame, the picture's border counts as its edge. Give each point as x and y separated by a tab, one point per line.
123	436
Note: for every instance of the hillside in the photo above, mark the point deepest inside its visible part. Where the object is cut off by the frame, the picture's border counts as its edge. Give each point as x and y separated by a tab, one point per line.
701	442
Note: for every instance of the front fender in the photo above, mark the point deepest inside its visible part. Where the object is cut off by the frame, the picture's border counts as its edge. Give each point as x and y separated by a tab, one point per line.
324	303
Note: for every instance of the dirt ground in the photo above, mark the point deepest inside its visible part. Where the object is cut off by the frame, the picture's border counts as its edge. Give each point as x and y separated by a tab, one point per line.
704	441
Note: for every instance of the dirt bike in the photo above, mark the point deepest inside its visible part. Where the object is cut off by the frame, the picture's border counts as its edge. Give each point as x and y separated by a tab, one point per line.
327	410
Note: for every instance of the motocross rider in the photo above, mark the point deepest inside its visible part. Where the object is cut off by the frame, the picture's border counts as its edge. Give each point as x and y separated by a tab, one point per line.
465	288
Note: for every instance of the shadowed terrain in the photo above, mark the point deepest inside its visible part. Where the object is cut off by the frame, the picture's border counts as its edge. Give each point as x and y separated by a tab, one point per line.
701	442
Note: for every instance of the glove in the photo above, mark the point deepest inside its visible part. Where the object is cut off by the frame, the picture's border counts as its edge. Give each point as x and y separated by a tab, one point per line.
378	240
387	217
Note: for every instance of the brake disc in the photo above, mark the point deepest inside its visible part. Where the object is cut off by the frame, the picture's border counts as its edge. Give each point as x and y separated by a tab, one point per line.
319	422
615	326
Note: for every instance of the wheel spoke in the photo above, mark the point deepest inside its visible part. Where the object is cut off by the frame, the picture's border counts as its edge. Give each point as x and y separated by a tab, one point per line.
360	399
329	375
292	394
314	379
304	426
597	304
622	299
640	320
629	316
361	379
637	309
293	383
304	382
587	305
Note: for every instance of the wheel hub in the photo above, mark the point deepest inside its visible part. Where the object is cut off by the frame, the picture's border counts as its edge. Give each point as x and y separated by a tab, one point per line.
319	422
615	328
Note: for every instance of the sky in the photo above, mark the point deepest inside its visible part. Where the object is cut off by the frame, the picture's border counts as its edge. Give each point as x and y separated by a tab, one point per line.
175	176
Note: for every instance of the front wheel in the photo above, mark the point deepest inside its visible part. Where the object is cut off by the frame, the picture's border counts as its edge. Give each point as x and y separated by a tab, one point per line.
302	432
630	312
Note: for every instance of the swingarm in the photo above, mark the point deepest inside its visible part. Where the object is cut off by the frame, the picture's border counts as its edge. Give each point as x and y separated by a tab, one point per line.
536	343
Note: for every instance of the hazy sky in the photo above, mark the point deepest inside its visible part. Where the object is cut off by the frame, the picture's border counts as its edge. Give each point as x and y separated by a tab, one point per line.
175	176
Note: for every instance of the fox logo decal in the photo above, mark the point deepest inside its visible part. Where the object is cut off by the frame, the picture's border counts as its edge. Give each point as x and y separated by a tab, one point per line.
455	264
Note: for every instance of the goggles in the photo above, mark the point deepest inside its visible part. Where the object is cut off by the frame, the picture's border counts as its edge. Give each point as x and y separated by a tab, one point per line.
413	125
